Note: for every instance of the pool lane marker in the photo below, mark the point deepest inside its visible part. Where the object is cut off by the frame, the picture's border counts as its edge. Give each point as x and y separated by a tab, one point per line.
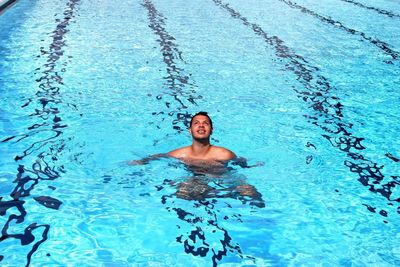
49	90
176	80
378	10
28	178
328	109
385	47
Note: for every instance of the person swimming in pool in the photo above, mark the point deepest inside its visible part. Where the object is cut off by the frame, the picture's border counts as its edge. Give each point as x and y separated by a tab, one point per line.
201	150
200	153
202	158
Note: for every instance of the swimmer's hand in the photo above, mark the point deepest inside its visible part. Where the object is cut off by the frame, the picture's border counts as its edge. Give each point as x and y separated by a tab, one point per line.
136	162
242	162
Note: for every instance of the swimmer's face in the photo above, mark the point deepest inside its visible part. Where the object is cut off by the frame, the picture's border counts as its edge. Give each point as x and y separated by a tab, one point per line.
201	127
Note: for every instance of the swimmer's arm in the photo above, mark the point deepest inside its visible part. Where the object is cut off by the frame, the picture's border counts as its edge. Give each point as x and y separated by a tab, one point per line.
222	154
242	162
146	160
179	153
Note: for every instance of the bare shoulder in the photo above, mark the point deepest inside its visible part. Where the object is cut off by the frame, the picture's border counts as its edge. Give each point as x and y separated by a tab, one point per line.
221	153
179	152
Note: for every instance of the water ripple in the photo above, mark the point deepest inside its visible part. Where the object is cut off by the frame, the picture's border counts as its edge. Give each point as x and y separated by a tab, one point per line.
337	24
327	109
378	10
176	80
49	145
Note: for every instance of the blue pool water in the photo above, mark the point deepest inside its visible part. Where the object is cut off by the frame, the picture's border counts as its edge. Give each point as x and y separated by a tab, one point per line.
309	88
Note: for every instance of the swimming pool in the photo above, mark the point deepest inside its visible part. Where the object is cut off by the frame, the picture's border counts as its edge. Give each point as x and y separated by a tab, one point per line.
308	88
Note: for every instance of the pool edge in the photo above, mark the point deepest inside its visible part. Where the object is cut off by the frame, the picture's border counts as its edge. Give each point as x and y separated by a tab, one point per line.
5	4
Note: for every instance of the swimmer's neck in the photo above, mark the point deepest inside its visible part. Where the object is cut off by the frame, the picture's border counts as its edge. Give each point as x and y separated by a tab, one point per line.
200	147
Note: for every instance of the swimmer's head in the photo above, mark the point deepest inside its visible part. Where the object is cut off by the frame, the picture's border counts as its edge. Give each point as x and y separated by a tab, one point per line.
201	113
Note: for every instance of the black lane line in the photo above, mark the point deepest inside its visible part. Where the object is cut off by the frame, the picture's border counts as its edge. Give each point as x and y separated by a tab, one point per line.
378	10
176	80
195	242
337	24
27	178
327	113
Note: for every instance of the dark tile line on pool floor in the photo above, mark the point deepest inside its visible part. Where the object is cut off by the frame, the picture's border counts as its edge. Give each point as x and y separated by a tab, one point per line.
337	24
48	93
176	79
329	109
378	10
176	82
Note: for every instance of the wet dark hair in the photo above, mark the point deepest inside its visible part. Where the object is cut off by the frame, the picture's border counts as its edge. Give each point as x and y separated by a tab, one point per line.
203	113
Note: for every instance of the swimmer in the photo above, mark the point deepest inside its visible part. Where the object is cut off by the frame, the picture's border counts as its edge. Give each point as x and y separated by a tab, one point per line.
200	153
206	160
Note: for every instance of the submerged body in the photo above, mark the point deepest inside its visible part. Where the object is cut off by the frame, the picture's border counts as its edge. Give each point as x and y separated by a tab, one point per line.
214	161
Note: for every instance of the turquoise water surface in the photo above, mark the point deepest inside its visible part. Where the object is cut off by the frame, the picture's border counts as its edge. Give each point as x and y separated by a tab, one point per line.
308	88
